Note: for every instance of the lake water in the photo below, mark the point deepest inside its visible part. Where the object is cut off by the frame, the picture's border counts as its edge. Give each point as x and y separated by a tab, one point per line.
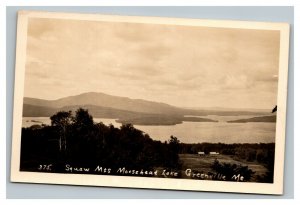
194	132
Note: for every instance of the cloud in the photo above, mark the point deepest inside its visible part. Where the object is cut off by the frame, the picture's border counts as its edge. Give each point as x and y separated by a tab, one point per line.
180	65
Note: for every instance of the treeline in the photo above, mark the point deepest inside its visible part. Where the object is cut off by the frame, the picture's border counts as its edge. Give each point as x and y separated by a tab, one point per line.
74	139
79	141
260	152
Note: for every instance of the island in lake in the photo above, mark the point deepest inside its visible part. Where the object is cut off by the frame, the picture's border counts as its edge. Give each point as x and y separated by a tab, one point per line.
271	118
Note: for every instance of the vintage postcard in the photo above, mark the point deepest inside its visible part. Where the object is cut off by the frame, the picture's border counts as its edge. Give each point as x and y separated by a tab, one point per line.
150	102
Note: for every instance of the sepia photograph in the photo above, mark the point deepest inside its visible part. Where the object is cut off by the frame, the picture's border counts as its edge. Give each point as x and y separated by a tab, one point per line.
150	102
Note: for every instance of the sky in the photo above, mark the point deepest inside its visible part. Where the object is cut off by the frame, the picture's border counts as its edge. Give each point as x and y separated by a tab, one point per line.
183	66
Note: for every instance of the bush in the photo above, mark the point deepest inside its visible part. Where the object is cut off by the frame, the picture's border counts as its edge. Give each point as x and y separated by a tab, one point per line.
232	172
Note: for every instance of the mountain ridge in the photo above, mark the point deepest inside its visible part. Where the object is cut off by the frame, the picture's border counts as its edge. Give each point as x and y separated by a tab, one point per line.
104	100
124	109
128	104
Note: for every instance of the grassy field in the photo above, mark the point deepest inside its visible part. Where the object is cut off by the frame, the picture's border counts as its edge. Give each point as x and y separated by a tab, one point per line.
203	163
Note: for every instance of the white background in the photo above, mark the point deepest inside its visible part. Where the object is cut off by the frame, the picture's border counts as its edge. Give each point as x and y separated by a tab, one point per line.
140	3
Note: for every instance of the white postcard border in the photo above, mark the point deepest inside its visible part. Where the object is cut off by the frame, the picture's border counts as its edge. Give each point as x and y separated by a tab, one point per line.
144	182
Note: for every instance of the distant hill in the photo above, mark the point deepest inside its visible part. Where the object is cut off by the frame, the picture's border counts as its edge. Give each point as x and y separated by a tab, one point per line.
271	118
126	110
104	100
131	105
95	111
37	111
122	116
230	109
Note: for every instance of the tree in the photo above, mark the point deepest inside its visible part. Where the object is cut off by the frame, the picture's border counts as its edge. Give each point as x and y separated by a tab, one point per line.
174	143
62	120
83	118
173	148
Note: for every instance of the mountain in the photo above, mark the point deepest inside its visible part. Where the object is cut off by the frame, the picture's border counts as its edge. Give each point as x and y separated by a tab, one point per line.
104	100
271	118
129	105
126	110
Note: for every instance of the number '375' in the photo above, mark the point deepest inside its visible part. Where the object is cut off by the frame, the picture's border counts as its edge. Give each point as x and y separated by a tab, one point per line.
45	167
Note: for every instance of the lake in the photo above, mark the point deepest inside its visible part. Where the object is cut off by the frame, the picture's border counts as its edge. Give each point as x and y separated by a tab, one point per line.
197	132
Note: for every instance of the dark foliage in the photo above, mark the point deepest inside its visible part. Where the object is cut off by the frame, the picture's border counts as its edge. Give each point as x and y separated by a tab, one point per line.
233	172
78	141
